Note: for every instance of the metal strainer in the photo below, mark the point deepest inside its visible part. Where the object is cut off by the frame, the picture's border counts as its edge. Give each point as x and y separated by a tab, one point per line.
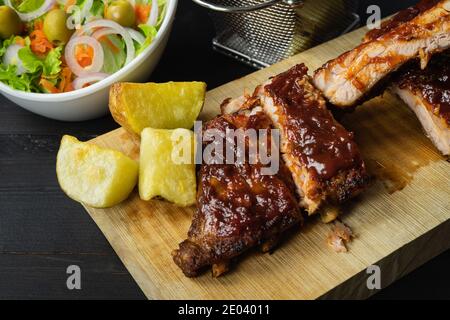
262	32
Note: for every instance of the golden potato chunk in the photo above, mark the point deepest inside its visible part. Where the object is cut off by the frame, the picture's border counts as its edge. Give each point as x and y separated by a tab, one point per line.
167	167
170	105
95	176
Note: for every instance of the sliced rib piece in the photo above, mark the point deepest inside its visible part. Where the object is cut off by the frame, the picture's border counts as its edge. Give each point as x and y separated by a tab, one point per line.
321	154
237	206
348	79
403	16
427	93
339	236
243	102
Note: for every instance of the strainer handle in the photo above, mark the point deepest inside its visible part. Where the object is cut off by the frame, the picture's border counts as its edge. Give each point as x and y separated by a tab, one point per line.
266	4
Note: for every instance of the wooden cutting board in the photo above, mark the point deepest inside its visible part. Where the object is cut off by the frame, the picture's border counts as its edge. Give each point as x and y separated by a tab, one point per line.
402	220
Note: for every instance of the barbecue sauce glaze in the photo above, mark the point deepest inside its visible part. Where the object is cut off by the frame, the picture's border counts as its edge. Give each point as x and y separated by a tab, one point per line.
323	145
236	200
433	83
400	18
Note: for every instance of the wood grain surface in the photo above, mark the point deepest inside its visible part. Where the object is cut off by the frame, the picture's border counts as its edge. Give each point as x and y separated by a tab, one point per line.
408	202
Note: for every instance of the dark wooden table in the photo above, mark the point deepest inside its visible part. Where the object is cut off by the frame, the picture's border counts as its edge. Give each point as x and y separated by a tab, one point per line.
42	232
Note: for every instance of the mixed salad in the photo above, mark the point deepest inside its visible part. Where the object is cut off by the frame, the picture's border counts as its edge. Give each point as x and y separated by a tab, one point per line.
54	46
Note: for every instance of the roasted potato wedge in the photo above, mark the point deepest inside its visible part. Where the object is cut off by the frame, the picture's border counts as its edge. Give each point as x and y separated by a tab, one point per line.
167	167
170	105
95	176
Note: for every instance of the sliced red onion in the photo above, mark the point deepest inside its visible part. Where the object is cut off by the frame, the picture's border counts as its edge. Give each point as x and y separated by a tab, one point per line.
103	32
136	35
11	57
153	16
81	81
78	15
97	61
28	16
118	29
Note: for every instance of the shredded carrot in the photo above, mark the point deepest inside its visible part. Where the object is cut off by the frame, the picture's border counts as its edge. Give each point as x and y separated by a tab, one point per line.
65	84
47	85
111	44
38	25
39	43
142	12
84	55
69	87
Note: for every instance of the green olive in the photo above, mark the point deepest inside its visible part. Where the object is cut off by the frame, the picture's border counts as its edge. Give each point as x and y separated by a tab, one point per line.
122	12
10	23
55	27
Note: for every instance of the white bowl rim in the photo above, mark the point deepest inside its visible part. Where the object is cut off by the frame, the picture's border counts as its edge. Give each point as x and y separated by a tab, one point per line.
59	97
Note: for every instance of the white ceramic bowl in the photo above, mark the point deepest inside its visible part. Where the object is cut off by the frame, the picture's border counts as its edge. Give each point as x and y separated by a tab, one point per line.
92	102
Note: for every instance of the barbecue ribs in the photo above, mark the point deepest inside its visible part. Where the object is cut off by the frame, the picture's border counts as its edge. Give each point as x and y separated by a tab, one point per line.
321	154
427	93
418	32
237	206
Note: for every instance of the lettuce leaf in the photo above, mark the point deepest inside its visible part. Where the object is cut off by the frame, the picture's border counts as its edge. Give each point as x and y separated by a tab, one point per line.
30	61
150	33
30	5
50	65
113	59
97	8
52	62
162	12
24	82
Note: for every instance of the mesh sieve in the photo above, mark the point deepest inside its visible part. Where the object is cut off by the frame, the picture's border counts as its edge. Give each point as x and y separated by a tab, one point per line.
263	32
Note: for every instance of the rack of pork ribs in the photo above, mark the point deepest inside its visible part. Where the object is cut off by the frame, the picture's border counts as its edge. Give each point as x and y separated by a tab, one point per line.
415	33
409	54
239	208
